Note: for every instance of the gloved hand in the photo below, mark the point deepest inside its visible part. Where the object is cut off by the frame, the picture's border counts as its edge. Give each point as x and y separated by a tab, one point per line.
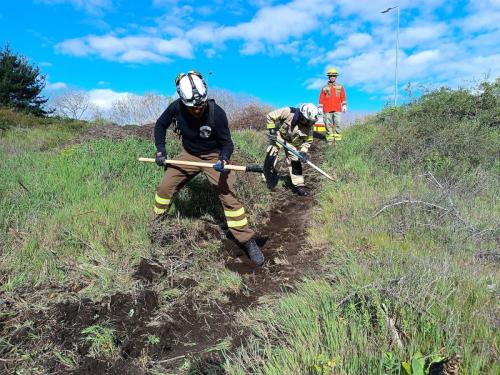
272	136
160	159
219	166
304	156
344	108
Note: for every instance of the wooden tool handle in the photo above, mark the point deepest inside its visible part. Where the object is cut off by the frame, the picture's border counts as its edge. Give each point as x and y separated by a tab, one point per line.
196	164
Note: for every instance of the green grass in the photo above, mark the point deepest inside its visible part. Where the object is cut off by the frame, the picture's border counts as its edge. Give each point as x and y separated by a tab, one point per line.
414	264
101	339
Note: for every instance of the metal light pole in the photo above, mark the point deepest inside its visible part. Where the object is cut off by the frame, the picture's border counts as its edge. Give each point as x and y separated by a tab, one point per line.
397	50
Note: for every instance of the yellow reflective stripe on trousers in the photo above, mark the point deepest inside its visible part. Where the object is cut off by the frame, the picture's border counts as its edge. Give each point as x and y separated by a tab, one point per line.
159	211
161	200
235	213
271	125
237	224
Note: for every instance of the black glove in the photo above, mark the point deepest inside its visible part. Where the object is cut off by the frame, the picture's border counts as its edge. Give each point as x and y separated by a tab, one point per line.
304	156
219	166
160	159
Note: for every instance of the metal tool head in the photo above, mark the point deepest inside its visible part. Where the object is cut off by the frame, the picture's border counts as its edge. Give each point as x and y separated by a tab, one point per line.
269	167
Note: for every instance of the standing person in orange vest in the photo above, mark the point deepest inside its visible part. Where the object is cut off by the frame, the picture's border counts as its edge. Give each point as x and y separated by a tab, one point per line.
333	103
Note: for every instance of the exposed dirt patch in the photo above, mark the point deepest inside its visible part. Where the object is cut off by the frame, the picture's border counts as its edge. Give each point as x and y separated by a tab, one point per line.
117	132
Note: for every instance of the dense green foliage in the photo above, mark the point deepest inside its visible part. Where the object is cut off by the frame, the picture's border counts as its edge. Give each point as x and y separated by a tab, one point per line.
448	132
21	83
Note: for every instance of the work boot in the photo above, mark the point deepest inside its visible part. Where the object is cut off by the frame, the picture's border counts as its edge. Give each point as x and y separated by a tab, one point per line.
300	191
253	252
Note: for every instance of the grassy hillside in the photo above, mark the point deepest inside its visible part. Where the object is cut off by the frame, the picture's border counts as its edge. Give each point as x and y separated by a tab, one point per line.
410	231
404	248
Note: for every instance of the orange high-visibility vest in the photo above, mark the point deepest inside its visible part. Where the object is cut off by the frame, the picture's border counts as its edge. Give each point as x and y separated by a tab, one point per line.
332	97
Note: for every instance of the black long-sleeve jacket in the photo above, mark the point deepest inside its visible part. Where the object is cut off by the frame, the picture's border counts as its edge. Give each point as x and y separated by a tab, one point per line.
199	135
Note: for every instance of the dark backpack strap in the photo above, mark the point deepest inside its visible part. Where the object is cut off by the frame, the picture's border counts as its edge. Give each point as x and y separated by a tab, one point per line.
211	113
175	128
296	115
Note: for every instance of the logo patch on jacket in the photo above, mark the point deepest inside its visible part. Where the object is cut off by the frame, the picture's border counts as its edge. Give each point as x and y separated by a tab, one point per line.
205	131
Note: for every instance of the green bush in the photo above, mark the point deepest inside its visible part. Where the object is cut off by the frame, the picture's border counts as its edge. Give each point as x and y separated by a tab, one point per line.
10	118
446	131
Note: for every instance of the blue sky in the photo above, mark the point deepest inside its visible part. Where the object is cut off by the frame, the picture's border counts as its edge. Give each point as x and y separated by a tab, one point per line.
277	51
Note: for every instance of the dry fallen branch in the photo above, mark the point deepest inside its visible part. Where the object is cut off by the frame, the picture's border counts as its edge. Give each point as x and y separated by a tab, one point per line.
409	201
391	327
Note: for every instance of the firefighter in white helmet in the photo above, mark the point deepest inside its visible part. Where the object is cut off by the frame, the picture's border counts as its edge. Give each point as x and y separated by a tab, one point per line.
293	126
204	131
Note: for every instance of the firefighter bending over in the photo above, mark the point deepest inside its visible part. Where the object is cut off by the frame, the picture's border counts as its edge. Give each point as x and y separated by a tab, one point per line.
293	126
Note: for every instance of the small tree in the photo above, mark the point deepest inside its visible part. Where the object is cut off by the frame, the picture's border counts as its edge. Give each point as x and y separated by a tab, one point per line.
21	84
139	110
73	104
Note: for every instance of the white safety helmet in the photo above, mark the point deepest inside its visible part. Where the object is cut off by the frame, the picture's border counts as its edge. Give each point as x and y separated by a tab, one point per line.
309	111
191	88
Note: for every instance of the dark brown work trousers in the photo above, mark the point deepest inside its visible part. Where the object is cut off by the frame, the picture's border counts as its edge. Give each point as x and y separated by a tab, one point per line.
177	175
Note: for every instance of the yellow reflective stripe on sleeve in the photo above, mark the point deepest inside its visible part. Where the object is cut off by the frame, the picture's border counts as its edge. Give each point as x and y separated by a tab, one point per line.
309	139
271	125
161	200
235	213
159	211
237	224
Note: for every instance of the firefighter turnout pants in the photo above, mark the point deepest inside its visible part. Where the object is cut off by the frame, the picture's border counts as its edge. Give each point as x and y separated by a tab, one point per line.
333	123
176	176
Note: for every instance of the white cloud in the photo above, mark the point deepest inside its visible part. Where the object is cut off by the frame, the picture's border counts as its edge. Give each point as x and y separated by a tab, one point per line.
96	7
141	56
210	53
424	57
418	35
137	49
104	98
55	86
295	19
358	40
75	47
270	25
480	21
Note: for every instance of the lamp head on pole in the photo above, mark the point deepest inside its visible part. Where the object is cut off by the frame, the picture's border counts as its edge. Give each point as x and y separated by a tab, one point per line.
389	9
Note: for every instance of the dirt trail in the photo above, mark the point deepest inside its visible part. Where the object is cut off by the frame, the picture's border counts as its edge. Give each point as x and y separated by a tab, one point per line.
190	332
186	331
